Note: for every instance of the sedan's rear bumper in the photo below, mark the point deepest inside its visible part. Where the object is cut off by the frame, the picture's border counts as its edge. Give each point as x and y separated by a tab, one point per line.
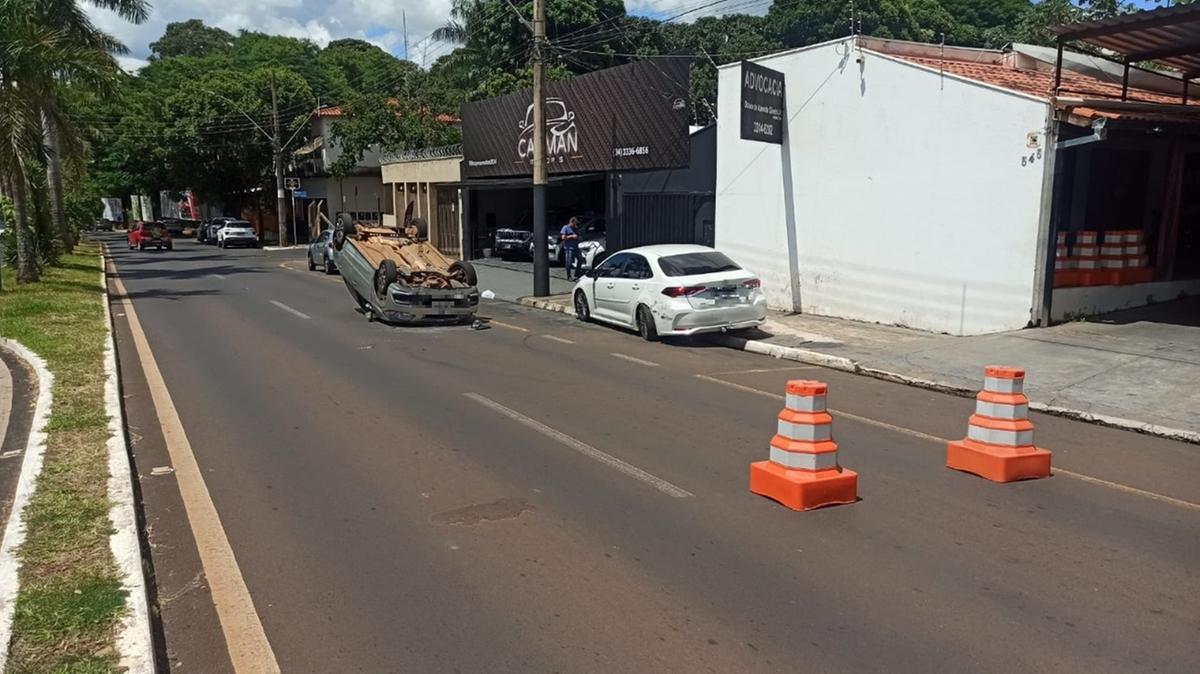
719	319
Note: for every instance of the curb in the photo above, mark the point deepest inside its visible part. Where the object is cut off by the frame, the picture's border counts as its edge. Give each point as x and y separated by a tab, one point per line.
854	367
134	640
538	303
31	468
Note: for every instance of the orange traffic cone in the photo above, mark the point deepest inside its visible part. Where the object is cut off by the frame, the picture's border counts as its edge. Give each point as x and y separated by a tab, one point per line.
803	472
999	442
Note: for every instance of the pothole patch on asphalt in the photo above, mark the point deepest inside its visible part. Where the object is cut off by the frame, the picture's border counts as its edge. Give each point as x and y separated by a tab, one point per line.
502	509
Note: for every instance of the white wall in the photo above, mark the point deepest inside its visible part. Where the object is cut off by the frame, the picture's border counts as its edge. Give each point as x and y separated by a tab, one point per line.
909	201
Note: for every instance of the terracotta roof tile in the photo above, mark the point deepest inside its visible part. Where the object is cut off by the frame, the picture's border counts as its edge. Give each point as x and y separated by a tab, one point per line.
1040	83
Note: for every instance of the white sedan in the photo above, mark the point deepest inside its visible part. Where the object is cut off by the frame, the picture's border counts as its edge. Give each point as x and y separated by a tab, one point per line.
671	290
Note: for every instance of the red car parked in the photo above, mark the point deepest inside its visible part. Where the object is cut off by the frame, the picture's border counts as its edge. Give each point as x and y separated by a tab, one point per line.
145	234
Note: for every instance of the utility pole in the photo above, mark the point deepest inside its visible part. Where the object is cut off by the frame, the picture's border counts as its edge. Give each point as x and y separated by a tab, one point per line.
278	145
404	22
541	256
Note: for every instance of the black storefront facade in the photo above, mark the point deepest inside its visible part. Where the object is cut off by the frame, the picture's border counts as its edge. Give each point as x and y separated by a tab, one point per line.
618	149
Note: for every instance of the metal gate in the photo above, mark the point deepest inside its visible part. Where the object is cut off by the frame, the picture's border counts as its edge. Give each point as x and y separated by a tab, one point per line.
647	219
447	234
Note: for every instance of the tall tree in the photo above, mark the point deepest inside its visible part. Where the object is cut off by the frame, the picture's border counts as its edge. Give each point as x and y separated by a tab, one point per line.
191	38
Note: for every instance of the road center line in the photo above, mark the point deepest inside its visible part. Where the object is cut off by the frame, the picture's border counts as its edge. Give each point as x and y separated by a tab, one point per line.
639	361
942	441
560	340
218	276
500	324
249	649
584	448
290	310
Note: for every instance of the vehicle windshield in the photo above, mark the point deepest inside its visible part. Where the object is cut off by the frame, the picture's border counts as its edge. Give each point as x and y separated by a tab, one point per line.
691	264
239	224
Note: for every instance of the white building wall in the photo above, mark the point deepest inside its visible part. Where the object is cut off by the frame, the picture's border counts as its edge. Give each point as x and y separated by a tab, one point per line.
909	201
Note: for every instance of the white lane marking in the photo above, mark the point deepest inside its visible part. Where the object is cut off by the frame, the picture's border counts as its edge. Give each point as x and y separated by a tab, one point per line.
941	441
500	324
584	448
249	650
769	369
639	361
218	276
290	310
560	340
11	454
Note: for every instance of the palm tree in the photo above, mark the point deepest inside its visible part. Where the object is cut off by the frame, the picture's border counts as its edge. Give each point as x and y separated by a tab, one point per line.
70	16
464	16
39	52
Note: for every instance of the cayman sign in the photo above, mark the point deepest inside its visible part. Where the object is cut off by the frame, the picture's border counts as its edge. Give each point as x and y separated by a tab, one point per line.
631	117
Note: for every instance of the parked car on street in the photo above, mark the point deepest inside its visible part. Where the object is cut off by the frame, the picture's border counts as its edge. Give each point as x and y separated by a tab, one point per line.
149	234
399	277
671	290
208	231
237	233
320	253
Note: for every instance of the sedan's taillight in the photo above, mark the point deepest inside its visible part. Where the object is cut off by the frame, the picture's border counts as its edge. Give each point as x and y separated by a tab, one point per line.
753	283
683	291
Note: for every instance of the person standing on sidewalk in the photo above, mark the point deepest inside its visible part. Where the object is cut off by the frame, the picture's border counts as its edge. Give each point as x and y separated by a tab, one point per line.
569	244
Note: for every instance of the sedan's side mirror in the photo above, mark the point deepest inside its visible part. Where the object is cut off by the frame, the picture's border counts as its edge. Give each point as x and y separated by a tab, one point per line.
592	273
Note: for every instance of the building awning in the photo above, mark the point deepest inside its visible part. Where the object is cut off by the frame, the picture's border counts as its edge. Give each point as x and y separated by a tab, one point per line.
1169	37
309	147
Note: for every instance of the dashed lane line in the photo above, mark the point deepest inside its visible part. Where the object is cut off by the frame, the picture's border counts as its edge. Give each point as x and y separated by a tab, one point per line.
639	361
508	326
1116	486
584	448
560	340
292	311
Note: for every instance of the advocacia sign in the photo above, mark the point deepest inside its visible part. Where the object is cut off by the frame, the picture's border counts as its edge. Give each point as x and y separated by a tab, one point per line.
762	103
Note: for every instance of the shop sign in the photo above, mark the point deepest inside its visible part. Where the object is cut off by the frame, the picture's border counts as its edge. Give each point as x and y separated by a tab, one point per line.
762	103
631	117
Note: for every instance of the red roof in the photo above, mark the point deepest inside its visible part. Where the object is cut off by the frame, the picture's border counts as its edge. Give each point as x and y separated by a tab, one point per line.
1040	83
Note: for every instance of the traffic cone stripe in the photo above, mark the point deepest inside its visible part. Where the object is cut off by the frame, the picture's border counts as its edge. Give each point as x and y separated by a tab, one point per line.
999	385
803	446
804	461
1003	398
810	432
1001	410
803	403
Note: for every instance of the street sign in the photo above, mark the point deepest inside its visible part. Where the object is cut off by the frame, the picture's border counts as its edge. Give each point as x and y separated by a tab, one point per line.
299	194
291	183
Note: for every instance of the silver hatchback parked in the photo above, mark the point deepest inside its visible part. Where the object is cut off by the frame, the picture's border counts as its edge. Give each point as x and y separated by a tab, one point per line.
320	253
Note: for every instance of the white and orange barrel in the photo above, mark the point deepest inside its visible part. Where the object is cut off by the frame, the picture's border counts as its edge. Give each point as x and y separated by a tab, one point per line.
999	443
1135	236
1113	248
1061	238
803	471
1086	250
1086	262
1112	261
1085	238
1114	236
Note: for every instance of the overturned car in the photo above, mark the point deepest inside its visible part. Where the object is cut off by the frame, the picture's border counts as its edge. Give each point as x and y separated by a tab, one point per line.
397	276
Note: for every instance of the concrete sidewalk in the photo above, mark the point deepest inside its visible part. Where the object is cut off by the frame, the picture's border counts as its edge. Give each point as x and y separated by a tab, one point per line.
511	281
1137	369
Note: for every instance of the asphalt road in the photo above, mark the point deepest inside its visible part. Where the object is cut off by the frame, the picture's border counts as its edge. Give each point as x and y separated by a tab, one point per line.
390	511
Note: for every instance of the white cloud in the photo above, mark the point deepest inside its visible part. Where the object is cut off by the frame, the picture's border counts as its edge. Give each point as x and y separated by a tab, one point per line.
322	22
131	64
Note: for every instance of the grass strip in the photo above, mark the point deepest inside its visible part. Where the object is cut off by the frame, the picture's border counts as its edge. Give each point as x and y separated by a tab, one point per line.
70	599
